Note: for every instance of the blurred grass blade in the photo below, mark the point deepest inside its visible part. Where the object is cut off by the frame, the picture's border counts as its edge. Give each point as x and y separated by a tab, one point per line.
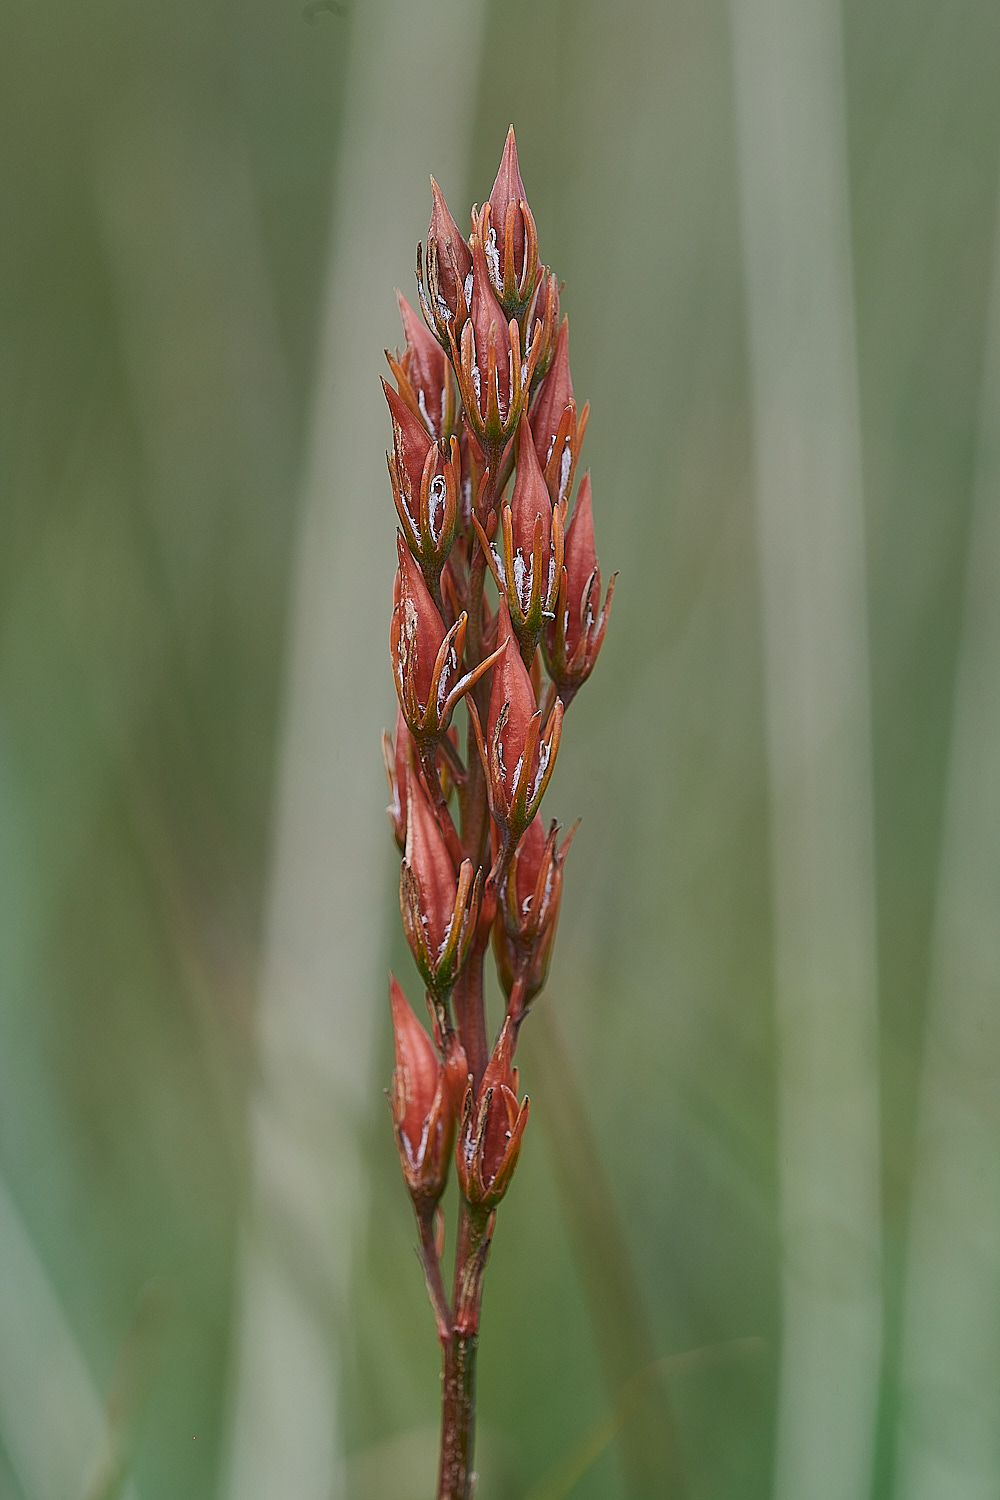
131	1387
323	985
51	1421
562	1480
200	336
804	400
573	1468
948	1442
650	1451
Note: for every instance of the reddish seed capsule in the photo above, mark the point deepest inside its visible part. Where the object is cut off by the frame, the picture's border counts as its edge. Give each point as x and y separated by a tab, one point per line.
423	1102
451	251
521	756
555	427
525	926
429	863
444	292
574	639
526	559
398	751
416	636
427	372
489	326
493	379
426	479
493	1124
439	908
530	502
426	658
540	321
507	229
511	690
411	443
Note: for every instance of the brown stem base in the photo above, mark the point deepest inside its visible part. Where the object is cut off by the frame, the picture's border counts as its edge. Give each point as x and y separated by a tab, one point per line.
458	1415
458	1400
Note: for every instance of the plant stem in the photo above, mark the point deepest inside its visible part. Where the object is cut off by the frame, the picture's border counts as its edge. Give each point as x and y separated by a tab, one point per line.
458	1404
458	1418
432	1272
470	1014
472	796
475	1228
428	764
467	996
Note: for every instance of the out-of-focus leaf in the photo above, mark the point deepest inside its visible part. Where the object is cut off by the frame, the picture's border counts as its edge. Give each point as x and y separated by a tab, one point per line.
131	1388
562	1480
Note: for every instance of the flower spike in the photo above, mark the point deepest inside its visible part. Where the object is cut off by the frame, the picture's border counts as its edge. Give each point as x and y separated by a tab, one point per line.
486	437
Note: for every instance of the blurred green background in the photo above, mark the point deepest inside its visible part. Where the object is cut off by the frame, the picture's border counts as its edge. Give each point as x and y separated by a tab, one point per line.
179	191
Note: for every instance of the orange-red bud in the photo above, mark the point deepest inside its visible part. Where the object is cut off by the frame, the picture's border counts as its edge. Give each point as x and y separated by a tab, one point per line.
525	926
439	909
398	752
510	240
426	658
552	397
526	868
411	444
539	323
427	373
581	567
488	322
508	193
430	863
574	639
453	252
416	635
426	477
423	1102
521	756
557	431
493	1123
510	689
530	500
444	300
528	561
493	379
